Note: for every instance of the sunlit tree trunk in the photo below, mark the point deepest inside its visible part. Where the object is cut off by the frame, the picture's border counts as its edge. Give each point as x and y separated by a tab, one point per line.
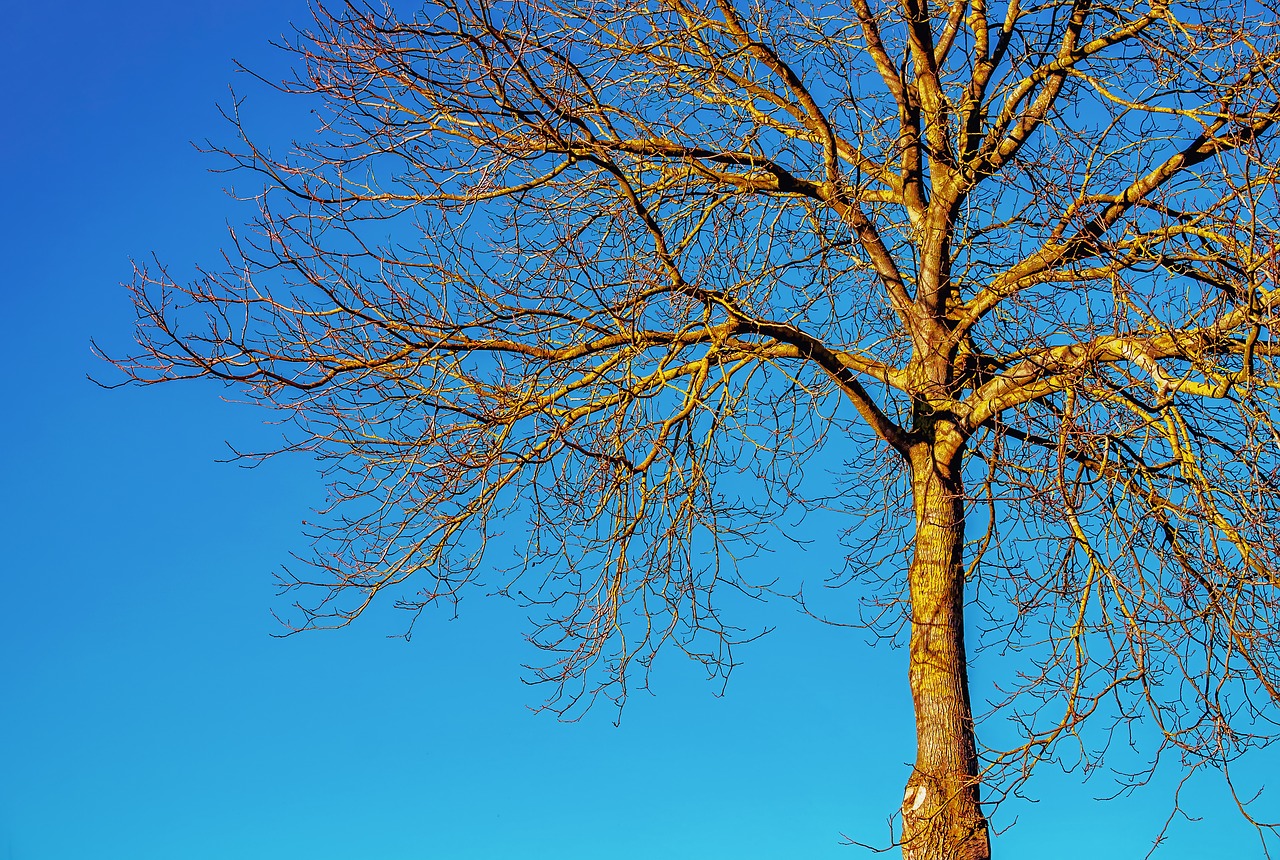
942	815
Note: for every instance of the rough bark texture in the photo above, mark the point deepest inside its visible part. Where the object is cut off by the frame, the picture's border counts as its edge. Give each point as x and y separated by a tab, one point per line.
941	809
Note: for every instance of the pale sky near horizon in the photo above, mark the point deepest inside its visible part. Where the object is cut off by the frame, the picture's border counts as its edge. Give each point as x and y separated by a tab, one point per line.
146	712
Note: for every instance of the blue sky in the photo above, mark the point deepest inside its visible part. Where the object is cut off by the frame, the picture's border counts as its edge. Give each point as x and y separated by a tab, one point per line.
145	709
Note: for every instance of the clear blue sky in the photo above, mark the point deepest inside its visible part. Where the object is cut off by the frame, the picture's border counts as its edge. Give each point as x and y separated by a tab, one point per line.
145	711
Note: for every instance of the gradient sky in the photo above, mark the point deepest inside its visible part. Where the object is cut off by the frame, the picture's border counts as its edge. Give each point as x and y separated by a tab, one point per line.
146	712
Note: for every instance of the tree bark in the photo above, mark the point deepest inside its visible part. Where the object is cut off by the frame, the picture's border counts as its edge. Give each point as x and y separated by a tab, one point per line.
941	810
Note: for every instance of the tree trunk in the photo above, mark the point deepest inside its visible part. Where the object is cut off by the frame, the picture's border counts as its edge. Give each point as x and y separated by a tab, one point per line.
941	811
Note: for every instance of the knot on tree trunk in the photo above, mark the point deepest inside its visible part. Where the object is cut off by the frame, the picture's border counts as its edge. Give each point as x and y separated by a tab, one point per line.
941	820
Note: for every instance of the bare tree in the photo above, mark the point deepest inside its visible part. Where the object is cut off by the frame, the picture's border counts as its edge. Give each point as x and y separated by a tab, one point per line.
605	274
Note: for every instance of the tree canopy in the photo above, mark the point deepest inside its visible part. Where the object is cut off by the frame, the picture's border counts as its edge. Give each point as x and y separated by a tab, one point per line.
605	276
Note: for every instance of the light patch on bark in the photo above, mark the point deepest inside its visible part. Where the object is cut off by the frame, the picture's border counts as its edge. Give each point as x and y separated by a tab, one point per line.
914	797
